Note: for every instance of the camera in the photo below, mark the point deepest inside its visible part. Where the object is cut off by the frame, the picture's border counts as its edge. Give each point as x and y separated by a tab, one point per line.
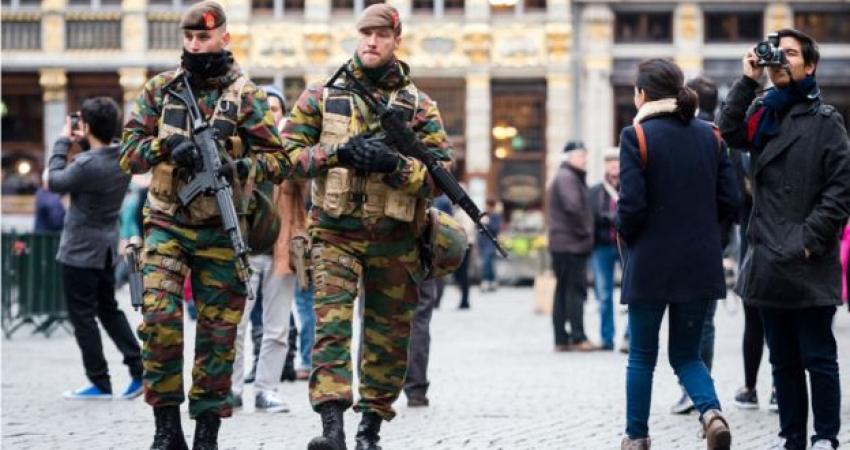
769	53
75	121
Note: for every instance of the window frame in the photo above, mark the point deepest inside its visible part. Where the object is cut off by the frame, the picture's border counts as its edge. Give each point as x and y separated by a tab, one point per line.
644	19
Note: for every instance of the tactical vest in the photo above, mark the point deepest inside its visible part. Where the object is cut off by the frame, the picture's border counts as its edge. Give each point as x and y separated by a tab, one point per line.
342	190
174	119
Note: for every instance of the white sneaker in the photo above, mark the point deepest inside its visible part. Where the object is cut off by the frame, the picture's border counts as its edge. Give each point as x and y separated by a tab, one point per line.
823	444
268	402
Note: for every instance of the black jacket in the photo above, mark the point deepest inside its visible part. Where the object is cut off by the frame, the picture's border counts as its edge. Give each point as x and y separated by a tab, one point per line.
603	215
669	212
801	200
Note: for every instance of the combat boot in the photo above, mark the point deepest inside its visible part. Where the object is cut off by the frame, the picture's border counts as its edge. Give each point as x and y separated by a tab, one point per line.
367	433
206	432
333	432
169	433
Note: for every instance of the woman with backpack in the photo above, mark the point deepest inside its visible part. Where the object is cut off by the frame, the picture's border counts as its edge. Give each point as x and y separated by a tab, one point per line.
676	186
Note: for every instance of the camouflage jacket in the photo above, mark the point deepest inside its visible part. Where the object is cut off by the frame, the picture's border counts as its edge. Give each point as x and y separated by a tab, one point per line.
311	158
141	149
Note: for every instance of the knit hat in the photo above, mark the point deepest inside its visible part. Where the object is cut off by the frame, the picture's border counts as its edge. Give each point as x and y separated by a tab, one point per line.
574	145
273	91
206	15
380	15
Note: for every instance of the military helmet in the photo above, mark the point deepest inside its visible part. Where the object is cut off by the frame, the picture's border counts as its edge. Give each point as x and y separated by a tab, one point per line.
263	224
446	244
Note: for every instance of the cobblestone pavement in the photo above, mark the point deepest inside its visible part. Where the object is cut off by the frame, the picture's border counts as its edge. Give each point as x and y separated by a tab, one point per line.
496	383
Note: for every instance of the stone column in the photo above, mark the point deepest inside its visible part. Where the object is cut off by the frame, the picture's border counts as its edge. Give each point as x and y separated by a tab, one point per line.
559	84
477	10
778	16
53	82
404	7
237	11
559	114
317	10
134	27
478	133
597	94
53	26
132	80
688	37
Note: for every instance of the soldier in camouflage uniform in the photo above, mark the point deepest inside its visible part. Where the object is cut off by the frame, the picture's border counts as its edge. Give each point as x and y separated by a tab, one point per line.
179	239
369	204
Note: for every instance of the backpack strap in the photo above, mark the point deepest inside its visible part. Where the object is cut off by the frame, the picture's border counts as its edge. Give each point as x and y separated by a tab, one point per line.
641	137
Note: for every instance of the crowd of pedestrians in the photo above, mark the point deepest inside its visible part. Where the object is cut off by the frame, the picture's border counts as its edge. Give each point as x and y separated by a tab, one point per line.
775	165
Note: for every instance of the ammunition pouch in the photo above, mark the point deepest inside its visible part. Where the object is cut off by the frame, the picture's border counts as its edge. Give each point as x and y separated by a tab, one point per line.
341	191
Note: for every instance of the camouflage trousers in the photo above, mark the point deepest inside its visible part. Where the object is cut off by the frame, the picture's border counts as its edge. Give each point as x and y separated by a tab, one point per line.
171	252
390	270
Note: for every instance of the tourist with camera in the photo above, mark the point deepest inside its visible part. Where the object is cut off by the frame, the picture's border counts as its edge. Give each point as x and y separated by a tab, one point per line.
801	190
88	246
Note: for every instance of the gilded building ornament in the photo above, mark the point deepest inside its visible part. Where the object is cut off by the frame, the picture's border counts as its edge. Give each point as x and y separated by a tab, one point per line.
53	82
317	43
688	21
558	37
132	81
477	43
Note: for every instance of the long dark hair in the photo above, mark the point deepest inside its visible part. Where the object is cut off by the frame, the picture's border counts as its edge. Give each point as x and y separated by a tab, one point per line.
662	78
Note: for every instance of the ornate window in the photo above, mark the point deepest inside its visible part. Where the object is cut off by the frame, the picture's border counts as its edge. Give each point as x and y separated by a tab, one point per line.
23	33
824	24
733	26
631	27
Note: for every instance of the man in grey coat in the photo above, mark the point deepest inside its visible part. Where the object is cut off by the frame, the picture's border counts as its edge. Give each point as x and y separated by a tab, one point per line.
570	222
87	249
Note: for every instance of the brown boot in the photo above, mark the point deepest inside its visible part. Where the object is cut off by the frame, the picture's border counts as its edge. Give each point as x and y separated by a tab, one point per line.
635	444
716	431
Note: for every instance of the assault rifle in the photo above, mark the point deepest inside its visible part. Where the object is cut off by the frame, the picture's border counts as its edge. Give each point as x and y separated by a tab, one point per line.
209	179
405	141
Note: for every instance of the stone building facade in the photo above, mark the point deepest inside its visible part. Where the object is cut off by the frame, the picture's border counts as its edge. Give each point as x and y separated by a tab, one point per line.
515	79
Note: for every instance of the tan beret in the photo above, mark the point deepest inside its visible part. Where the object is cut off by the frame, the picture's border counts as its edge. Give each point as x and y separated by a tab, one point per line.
380	15
206	15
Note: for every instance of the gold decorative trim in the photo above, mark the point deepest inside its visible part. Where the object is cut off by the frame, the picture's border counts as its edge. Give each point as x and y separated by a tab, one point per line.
19	16
86	16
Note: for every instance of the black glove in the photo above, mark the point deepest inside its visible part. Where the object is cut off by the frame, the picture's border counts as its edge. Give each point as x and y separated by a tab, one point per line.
185	155
368	155
376	156
240	167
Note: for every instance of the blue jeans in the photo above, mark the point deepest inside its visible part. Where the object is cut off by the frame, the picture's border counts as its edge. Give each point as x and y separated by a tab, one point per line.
603	260
307	318
488	271
686	322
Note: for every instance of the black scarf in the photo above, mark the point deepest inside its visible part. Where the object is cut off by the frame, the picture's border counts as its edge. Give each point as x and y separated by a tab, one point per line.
205	66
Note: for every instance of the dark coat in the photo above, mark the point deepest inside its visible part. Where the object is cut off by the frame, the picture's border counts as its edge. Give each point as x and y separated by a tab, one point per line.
603	215
801	190
669	213
570	219
97	187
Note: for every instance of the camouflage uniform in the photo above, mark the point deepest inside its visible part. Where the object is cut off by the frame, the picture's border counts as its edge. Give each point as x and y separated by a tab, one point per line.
179	239
359	241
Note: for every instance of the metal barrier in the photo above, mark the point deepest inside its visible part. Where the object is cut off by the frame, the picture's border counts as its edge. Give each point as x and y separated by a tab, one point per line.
31	290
